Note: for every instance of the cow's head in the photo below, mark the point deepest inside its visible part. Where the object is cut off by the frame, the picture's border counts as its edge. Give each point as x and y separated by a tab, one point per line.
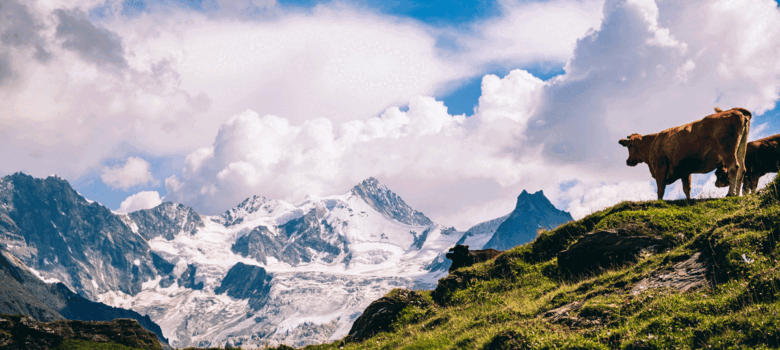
458	251
632	143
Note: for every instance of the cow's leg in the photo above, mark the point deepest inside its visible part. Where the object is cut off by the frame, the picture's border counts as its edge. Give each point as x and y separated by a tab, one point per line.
751	182
733	175
661	184
686	181
741	151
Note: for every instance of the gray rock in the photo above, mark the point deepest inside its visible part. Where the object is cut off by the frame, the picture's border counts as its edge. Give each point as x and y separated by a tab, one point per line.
380	315
246	282
295	241
166	220
691	274
54	230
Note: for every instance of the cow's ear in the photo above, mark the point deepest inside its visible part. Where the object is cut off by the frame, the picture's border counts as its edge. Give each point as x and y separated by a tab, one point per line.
465	246
623	142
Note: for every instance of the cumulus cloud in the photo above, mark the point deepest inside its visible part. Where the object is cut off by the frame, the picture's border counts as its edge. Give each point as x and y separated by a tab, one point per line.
317	91
139	201
641	71
136	171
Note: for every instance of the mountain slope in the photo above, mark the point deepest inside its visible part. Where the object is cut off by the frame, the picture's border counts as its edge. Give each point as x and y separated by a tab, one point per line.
23	293
709	279
55	231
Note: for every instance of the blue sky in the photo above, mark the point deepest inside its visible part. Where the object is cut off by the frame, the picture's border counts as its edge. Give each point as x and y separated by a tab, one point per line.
209	102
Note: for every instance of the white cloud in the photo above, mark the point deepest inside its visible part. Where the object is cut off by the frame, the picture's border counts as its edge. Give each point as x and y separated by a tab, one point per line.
162	82
533	31
136	171
139	201
584	199
641	71
318	90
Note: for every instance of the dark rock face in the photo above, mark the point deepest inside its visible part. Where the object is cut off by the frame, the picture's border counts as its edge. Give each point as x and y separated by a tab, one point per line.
22	293
246	282
166	220
604	249
53	229
22	332
532	212
187	278
388	203
380	315
293	241
17	300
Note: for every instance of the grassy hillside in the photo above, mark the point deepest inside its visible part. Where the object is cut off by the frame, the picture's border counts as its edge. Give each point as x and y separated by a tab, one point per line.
524	299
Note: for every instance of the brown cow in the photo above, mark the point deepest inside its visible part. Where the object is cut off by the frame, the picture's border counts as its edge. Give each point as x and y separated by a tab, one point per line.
461	256
762	157
698	147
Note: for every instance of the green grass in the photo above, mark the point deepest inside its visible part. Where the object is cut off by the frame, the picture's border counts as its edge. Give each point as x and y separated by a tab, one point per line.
72	344
499	304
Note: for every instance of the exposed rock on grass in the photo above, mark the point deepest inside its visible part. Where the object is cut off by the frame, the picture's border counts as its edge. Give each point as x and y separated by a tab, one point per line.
606	249
382	313
691	274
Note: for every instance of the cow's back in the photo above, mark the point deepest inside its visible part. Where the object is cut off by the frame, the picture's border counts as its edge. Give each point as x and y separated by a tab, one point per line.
696	147
763	156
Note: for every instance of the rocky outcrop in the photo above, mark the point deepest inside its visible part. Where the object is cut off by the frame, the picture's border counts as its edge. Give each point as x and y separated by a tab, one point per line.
166	220
379	197
607	248
246	282
22	332
532	212
54	230
382	313
295	242
688	275
187	278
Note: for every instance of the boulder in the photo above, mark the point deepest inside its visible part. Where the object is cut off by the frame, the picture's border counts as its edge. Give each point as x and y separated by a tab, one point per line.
382	313
607	248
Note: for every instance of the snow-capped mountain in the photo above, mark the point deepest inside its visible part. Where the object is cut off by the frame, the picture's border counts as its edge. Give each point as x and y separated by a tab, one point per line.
264	272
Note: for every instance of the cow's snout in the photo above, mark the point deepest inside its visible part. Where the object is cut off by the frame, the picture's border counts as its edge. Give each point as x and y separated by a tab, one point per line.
632	162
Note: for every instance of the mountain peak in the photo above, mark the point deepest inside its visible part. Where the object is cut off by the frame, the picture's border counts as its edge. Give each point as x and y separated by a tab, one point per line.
538	199
372	182
532	212
379	197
